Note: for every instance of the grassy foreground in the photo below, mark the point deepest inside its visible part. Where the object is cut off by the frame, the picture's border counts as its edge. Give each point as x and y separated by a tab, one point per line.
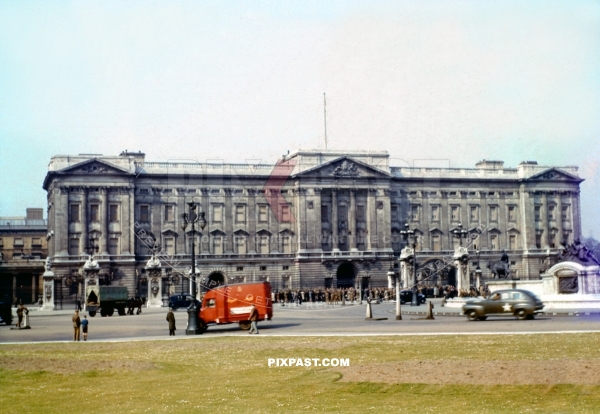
230	374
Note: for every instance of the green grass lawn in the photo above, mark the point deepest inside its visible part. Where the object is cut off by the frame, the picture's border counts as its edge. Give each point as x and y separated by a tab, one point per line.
230	374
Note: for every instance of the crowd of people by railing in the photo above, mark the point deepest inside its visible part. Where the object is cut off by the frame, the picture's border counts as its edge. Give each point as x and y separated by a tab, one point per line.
336	296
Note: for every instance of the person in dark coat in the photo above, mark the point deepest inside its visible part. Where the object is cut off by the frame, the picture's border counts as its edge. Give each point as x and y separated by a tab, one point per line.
171	320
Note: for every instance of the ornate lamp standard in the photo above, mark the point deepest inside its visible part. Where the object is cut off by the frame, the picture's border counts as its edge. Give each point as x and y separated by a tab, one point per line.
410	236
460	233
192	218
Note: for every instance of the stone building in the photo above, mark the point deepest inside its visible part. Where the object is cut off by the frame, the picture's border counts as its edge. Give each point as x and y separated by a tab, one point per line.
23	248
315	218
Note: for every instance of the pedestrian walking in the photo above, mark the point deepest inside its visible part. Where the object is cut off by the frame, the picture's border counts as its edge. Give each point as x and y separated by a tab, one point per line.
171	320
253	318
76	325
21	309
84	327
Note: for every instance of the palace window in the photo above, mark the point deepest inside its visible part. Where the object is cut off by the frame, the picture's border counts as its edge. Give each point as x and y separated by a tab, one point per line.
286	246
240	214
512	213
169	216
74	213
263	246
18	242
113	213
113	246
455	213
285	214
217	245
553	239
537	214
435	243
169	245
217	213
414	213
144	214
493	213
74	247
263	268
538	240
240	244
239	268
435	213
95	212
474	213
493	241
512	242
36	241
262	214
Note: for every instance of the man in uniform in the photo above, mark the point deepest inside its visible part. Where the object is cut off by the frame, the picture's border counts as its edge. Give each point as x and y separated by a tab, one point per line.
76	325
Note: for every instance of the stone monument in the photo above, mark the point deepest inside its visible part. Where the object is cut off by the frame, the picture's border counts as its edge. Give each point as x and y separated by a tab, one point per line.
154	271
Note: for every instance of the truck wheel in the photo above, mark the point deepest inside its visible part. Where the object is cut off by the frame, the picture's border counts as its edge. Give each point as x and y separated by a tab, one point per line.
103	312
121	311
472	315
110	312
244	325
92	314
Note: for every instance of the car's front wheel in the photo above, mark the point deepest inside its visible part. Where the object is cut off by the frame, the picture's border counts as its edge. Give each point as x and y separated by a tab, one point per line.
472	315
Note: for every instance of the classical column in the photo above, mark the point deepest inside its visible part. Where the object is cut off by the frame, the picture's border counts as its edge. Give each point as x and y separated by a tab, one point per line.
318	228
205	240
544	218
334	220
104	220
559	219
252	220
62	221
576	214
352	220
301	217
444	222
426	220
84	218
228	218
503	221
371	218
131	230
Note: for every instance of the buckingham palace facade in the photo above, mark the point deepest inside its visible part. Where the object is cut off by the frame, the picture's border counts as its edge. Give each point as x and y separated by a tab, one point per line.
312	218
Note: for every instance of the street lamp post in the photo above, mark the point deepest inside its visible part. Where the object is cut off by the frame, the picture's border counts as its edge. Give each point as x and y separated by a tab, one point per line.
411	237
192	218
460	233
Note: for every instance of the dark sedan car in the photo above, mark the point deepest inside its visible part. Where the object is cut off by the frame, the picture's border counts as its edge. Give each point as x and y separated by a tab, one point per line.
518	302
406	297
180	301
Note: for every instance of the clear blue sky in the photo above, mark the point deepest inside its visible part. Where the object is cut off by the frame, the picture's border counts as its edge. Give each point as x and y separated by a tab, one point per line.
454	80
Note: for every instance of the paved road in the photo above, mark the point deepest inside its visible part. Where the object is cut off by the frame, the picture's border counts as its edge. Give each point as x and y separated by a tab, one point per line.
346	320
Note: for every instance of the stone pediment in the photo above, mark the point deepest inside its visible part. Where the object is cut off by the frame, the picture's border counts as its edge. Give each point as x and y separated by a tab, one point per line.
344	167
554	174
94	166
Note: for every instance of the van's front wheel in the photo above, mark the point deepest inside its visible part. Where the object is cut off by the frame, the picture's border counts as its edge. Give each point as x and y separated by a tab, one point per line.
245	325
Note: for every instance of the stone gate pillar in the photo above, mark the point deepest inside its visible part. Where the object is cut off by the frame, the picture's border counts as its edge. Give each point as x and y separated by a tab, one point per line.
407	276
461	262
154	271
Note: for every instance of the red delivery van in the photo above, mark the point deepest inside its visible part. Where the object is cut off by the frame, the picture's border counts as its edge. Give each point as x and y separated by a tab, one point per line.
232	303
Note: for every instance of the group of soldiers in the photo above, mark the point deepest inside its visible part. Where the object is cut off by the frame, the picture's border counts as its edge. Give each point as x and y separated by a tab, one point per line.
336	296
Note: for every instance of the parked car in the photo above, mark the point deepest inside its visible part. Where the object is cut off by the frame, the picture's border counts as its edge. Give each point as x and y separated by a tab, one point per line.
521	303
180	301
5	310
406	297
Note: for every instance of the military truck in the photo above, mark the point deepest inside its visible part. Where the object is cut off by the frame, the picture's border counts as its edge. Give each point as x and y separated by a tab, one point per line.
106	299
5	310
